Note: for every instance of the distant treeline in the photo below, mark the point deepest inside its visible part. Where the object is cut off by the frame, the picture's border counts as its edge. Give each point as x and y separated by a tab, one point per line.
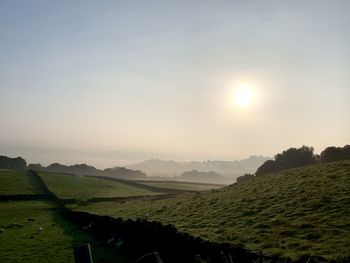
298	157
198	176
84	169
12	163
77	169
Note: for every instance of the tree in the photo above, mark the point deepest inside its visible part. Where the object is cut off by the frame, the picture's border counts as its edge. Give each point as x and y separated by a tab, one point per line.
12	163
35	166
267	167
245	178
346	151
291	158
295	157
331	154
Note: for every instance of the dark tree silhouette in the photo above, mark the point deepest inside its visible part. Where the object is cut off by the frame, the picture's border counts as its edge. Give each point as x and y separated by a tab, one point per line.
291	158
245	178
294	157
12	163
267	167
35	166
331	154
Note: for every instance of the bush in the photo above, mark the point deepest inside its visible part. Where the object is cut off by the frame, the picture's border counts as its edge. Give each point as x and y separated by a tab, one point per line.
245	178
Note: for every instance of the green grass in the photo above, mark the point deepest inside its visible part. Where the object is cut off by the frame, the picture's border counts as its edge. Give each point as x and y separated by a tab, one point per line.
83	188
15	183
186	186
54	244
291	213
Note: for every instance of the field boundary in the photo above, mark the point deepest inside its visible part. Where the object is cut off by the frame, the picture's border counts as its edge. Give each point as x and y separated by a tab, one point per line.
141	236
21	197
36	182
180	182
117	199
143	186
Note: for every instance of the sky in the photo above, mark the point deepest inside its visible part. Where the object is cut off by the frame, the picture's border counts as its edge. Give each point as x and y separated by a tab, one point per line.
115	82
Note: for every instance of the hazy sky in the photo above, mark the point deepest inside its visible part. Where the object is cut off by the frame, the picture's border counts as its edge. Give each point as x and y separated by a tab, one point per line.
113	82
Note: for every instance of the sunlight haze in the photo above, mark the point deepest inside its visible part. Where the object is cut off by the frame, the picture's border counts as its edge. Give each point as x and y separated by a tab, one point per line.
116	82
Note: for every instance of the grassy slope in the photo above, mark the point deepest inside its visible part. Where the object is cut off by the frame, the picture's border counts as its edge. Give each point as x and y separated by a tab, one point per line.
77	187
180	185
295	212
15	182
55	242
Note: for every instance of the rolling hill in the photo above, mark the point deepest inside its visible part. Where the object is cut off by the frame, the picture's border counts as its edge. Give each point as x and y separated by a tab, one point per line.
15	183
20	240
84	187
228	169
21	217
303	211
84	169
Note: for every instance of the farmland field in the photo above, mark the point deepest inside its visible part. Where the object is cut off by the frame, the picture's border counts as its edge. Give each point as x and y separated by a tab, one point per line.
20	240
290	213
83	188
186	186
15	182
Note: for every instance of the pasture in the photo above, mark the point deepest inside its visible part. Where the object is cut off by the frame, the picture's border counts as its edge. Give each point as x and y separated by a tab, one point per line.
84	188
185	186
290	213
21	240
15	183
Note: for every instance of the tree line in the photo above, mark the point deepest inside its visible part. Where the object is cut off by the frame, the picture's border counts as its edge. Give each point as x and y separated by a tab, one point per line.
19	163
297	157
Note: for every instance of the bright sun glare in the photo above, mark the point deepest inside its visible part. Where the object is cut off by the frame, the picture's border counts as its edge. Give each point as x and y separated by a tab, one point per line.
243	96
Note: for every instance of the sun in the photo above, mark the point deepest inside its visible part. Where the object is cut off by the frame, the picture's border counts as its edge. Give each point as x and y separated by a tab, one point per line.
243	96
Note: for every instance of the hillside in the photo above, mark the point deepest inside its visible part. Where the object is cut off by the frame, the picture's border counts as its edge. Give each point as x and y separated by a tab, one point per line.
83	187
178	185
291	213
24	209
229	169
84	169
15	183
205	177
21	242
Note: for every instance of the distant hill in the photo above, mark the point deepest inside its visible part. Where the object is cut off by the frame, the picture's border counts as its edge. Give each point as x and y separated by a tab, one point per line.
122	172
78	169
205	177
84	169
228	169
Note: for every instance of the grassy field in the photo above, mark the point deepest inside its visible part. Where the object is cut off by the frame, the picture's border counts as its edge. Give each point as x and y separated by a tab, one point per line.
21	242
15	183
186	186
291	213
83	188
